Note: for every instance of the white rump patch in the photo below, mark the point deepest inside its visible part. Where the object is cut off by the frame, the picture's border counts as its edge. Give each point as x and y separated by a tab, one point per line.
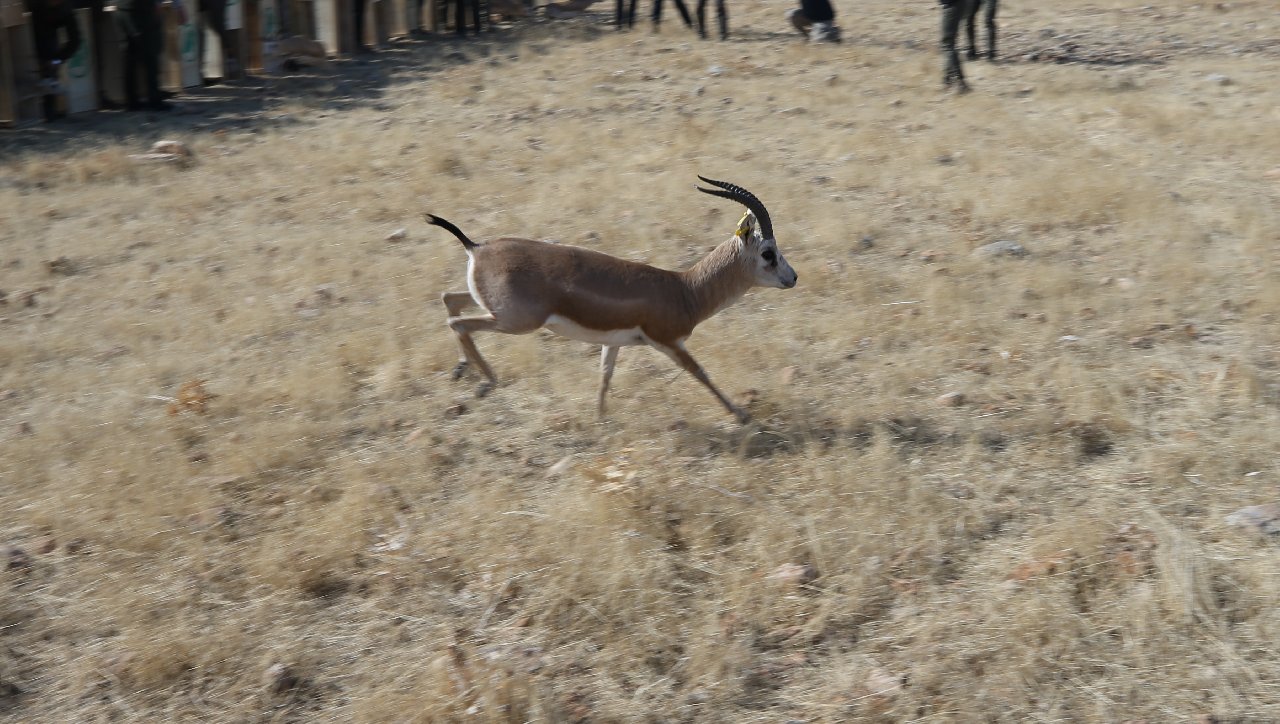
566	327
471	283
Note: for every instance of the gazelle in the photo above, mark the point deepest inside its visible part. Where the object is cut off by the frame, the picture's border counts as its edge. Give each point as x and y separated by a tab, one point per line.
525	285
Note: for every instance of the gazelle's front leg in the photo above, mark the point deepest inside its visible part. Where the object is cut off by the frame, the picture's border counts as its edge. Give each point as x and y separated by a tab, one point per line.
681	356
464	327
608	356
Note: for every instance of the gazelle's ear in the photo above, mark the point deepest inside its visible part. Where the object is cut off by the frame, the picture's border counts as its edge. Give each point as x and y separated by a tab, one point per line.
745	226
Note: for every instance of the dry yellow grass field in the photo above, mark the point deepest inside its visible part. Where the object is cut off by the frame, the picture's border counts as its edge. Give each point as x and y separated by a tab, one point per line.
328	528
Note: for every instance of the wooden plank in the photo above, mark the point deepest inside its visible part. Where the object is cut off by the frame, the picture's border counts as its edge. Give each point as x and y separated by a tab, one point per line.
335	26
251	34
401	23
8	93
19	76
377	22
12	13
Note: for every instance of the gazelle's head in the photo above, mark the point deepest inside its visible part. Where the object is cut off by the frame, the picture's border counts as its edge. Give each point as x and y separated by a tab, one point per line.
754	236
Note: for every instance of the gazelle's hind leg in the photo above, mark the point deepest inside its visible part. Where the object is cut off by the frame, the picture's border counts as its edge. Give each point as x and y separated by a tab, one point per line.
464	327
608	356
454	303
508	321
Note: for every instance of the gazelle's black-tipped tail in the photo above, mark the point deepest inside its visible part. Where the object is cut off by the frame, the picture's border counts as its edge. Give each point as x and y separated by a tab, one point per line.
436	220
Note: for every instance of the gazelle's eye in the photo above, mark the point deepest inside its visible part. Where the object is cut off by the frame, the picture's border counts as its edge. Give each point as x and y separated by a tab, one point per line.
769	256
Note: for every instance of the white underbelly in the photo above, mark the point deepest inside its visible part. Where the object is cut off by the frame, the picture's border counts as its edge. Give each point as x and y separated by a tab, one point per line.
610	338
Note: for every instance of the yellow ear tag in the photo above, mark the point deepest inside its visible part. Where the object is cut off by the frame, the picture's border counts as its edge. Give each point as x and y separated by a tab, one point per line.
743	226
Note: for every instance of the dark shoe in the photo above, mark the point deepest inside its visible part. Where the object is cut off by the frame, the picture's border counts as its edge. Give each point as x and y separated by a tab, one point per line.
160	106
167	95
133	106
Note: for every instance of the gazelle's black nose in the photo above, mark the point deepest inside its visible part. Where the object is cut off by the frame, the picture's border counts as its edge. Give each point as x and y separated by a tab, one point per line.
793	281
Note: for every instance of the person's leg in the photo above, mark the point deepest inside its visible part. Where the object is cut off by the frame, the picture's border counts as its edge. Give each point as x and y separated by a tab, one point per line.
952	13
460	16
991	28
970	18
49	81
799	21
132	63
358	8
151	48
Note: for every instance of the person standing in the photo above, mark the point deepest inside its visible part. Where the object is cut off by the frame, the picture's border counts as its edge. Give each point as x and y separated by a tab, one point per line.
47	18
954	12
139	23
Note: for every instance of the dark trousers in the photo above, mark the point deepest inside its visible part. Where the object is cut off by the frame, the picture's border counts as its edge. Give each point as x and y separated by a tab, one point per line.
49	102
989	20
460	15
722	16
359	8
680	8
952	15
142	51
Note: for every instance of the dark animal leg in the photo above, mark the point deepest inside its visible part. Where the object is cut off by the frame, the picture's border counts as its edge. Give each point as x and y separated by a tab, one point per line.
702	19
722	14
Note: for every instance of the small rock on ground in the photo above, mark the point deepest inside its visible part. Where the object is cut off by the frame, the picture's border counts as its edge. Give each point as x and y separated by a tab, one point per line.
1001	248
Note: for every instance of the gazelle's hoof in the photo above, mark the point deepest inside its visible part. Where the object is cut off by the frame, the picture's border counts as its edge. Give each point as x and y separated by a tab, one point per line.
460	370
743	416
483	389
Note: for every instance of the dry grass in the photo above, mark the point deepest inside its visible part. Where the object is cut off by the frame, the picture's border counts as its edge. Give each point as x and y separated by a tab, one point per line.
329	501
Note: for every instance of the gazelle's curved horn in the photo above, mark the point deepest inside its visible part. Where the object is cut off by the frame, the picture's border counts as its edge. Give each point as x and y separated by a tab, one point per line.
744	197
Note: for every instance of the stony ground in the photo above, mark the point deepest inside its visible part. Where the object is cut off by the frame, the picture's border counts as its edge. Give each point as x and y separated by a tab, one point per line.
1033	481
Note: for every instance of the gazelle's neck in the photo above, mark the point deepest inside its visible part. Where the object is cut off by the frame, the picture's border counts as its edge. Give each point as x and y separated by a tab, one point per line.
718	280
